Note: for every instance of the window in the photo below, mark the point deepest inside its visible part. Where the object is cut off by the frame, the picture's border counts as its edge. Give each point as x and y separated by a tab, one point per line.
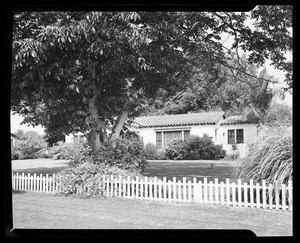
186	134
158	140
239	136
78	138
169	136
231	137
164	137
235	136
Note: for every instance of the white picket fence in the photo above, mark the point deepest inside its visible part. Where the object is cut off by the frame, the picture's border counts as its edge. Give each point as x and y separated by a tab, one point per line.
278	197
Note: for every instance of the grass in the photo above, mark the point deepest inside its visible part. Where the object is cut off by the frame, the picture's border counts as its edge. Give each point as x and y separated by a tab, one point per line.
44	211
190	170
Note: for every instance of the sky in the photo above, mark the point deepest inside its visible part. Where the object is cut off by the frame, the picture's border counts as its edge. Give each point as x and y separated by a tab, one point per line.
16	119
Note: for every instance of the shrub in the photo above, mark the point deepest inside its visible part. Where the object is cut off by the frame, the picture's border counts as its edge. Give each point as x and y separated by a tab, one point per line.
269	157
15	152
194	148
86	178
151	151
128	154
28	148
77	152
177	149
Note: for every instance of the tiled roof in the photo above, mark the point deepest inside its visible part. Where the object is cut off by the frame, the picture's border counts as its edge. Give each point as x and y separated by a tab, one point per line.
234	120
179	119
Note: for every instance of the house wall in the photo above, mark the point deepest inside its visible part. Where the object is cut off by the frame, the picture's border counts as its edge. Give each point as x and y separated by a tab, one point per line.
70	138
149	133
218	133
250	132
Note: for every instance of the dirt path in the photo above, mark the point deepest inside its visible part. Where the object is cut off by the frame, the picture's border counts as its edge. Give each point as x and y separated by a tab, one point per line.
31	210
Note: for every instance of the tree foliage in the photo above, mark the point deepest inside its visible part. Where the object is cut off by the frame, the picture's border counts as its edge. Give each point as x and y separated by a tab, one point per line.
93	71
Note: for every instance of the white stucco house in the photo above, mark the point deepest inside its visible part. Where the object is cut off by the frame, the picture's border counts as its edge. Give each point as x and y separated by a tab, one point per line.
160	130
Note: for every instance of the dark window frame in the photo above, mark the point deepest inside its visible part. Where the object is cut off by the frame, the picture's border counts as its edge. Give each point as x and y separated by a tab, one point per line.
239	136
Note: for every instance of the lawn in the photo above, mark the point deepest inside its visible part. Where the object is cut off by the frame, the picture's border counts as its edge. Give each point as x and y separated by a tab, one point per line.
44	211
190	169
169	169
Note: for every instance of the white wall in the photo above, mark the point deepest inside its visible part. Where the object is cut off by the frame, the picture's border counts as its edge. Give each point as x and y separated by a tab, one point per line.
250	132
149	133
69	138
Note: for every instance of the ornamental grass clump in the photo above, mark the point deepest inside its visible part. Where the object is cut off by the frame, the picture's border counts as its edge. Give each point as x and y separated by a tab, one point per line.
269	157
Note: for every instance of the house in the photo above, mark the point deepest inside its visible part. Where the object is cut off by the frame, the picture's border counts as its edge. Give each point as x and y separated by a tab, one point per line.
78	137
160	130
13	139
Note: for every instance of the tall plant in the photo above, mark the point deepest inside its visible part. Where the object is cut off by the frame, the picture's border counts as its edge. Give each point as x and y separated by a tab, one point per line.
270	156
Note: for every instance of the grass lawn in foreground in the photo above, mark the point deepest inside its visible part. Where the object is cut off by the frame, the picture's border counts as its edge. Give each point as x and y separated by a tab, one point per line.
44	211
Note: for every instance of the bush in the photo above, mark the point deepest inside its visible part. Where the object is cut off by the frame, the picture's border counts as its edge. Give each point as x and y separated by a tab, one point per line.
86	178
151	151
128	154
176	149
15	152
194	148
77	152
28	148
269	157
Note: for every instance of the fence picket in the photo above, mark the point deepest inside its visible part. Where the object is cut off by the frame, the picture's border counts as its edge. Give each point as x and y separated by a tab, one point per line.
184	189
41	183
205	190
270	196
276	196
169	190
233	193
159	189
245	194
264	203
290	198
174	189
179	191
155	188
165	188
283	192
227	192
239	192
222	200
216	191
195	193
189	191
210	192
257	195
251	194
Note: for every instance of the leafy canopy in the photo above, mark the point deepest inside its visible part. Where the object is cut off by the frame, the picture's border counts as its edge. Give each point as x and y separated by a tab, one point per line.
82	71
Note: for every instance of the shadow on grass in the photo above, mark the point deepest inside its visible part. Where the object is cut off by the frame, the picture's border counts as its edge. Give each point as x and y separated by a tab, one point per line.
18	192
41	170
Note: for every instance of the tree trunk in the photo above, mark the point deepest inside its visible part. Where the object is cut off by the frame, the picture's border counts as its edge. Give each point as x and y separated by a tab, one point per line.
122	116
97	126
94	140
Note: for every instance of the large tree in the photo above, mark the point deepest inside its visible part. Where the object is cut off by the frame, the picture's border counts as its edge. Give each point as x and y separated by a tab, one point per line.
89	71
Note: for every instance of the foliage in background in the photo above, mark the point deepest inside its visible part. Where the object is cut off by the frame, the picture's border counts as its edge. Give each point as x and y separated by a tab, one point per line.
270	156
28	146
194	148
